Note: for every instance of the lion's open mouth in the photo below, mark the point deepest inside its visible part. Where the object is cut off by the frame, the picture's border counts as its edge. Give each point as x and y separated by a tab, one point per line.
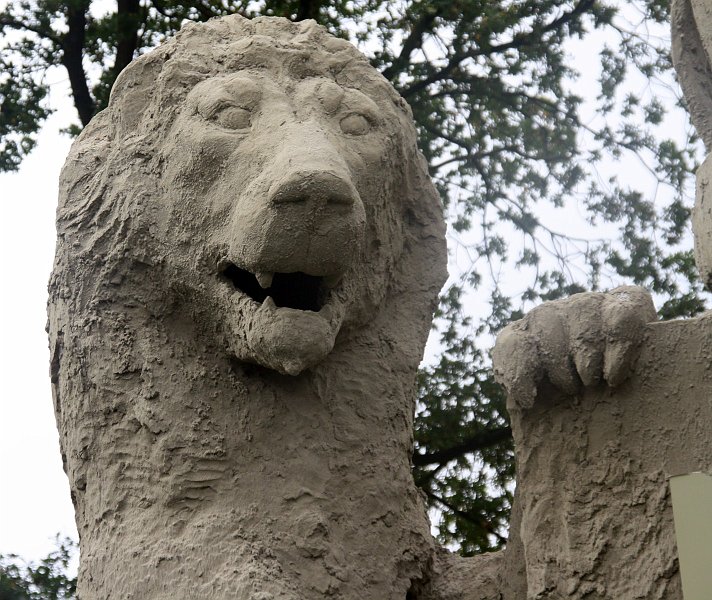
284	321
289	290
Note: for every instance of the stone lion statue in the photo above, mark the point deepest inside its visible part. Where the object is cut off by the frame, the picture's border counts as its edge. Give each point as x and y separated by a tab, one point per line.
249	255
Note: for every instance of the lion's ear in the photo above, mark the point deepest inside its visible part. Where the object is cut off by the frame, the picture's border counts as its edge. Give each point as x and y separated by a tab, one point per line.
84	199
81	187
423	208
422	269
133	92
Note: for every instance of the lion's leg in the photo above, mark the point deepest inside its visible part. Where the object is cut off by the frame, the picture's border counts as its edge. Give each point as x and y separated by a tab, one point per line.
593	461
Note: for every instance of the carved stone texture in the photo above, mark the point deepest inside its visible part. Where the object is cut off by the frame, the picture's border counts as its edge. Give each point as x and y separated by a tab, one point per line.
691	53
702	221
604	410
249	255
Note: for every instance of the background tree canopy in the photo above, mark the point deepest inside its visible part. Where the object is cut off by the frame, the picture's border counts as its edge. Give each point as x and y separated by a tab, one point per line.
493	88
46	580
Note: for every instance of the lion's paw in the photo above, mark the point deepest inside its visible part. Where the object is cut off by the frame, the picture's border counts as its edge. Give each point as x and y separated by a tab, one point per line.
580	341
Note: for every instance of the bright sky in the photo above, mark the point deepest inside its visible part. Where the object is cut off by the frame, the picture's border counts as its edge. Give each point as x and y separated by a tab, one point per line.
34	494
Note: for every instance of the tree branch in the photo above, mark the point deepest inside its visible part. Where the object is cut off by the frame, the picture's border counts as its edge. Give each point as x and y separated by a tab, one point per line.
206	11
9	21
161	8
481	522
72	48
479	441
414	41
520	40
72	55
128	20
308	9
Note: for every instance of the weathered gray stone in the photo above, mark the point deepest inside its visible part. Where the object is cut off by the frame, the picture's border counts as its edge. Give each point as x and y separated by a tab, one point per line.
702	221
691	46
691	52
218	446
577	342
593	460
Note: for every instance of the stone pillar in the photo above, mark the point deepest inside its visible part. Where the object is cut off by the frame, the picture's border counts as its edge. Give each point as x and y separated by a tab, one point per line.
691	53
607	405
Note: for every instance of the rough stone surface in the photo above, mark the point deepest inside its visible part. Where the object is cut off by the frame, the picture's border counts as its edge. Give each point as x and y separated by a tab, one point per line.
691	53
702	221
593	460
575	343
218	446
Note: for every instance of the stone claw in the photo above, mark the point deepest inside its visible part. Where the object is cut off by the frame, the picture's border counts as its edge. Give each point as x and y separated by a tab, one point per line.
580	341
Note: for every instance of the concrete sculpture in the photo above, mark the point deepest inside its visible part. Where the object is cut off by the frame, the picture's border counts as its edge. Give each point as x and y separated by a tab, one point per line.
249	253
607	405
692	56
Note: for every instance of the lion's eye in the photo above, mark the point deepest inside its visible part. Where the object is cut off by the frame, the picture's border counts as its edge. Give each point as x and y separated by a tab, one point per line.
355	125
233	117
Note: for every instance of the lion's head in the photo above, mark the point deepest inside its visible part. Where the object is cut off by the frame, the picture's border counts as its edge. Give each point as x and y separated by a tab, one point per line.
261	172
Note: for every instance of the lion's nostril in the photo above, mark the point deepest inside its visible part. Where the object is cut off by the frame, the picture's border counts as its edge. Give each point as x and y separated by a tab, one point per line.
284	196
321	187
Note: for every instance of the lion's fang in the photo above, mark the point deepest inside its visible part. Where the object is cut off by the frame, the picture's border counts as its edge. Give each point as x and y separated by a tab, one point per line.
269	303
264	279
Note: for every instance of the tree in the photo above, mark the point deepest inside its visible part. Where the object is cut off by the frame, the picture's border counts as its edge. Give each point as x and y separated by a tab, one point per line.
47	580
493	91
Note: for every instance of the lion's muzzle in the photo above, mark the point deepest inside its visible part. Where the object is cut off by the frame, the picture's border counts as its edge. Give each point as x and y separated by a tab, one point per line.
303	213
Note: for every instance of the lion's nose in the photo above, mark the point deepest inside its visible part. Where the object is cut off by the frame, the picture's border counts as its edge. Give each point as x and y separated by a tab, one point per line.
315	186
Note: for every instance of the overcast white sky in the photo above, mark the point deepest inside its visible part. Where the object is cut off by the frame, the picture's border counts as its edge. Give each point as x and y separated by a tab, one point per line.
34	494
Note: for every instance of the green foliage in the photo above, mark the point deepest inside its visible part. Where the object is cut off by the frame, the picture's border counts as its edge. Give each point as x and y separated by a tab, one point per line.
464	457
22	107
495	93
46	580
